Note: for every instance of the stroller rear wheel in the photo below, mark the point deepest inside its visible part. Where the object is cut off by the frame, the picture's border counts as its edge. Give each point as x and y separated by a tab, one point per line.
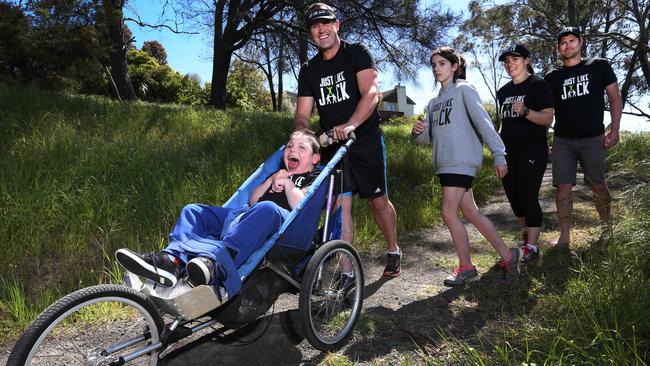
98	325
331	295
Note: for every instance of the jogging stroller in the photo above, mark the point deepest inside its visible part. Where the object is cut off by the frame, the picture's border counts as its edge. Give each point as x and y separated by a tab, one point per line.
136	322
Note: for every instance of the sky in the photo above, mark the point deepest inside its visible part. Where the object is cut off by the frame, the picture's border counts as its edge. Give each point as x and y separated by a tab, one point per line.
191	54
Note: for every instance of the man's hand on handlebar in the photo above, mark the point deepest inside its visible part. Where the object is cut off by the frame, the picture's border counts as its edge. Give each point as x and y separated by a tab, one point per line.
341	132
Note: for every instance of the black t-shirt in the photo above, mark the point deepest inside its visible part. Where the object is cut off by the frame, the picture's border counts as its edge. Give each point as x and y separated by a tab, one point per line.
579	100
516	130
333	85
300	180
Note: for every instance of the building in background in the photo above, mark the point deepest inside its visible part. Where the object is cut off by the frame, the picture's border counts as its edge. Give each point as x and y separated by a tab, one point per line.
395	103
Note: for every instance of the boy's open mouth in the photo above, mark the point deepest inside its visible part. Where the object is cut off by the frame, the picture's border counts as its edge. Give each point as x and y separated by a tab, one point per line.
292	162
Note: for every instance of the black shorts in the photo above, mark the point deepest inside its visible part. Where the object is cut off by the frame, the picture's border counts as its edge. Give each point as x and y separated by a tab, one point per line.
364	167
456	180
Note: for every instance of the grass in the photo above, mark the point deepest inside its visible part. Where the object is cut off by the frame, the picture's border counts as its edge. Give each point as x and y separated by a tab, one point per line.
82	176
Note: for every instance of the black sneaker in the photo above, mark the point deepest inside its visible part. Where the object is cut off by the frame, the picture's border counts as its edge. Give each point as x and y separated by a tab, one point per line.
393	264
200	271
157	267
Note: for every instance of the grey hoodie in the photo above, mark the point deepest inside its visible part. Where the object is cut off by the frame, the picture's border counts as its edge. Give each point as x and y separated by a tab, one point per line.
456	124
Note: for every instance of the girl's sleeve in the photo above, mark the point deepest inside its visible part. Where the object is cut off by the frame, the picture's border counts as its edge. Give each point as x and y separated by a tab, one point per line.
483	123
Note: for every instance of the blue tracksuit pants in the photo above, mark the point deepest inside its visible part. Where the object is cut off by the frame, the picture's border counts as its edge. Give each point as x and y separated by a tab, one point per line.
226	235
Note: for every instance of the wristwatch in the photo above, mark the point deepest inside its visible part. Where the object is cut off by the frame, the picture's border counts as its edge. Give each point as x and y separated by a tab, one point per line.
526	111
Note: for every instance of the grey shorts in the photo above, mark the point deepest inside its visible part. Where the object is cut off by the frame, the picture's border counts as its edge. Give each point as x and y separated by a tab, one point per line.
568	152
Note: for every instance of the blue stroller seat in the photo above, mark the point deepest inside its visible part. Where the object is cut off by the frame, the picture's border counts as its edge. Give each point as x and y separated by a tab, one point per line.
297	232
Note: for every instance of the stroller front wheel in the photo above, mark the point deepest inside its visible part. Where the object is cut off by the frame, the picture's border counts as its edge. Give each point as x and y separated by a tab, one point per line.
331	295
98	325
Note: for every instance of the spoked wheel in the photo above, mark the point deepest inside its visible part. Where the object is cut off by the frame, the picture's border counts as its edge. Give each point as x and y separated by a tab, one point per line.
99	325
331	295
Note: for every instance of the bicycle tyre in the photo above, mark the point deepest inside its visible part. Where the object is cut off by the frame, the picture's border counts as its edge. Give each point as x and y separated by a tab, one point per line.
328	314
51	334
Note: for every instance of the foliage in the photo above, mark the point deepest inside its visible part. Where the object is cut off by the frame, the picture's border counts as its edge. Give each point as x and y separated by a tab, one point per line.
616	30
14	34
160	83
55	45
156	50
245	88
65	45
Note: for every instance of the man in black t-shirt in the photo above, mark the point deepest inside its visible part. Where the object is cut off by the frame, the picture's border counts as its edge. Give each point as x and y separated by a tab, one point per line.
342	80
579	133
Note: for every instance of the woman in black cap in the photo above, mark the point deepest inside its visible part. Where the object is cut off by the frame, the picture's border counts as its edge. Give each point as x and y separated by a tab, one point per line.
526	111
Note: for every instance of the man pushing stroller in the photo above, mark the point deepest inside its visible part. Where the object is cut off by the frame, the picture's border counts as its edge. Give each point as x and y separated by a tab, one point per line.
209	243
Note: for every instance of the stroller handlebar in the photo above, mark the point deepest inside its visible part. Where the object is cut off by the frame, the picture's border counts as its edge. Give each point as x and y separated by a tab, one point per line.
326	139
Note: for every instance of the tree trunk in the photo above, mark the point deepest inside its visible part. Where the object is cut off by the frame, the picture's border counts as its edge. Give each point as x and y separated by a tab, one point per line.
643	47
220	67
220	61
608	26
627	83
280	72
119	68
269	71
571	12
643	61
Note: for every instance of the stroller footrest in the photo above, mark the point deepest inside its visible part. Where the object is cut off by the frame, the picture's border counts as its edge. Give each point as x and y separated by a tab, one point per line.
182	300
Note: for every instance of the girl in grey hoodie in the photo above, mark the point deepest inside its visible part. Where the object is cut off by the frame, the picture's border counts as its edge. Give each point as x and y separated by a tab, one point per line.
456	125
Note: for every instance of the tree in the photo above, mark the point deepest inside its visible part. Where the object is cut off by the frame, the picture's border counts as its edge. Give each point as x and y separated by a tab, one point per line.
156	50
267	53
245	89
160	83
400	33
14	39
632	34
52	43
113	22
235	22
618	30
479	37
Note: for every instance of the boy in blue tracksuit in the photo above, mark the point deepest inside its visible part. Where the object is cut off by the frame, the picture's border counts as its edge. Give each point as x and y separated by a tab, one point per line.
209	240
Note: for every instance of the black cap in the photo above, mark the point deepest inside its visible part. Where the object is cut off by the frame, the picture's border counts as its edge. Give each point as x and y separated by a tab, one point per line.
569	30
319	11
515	49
